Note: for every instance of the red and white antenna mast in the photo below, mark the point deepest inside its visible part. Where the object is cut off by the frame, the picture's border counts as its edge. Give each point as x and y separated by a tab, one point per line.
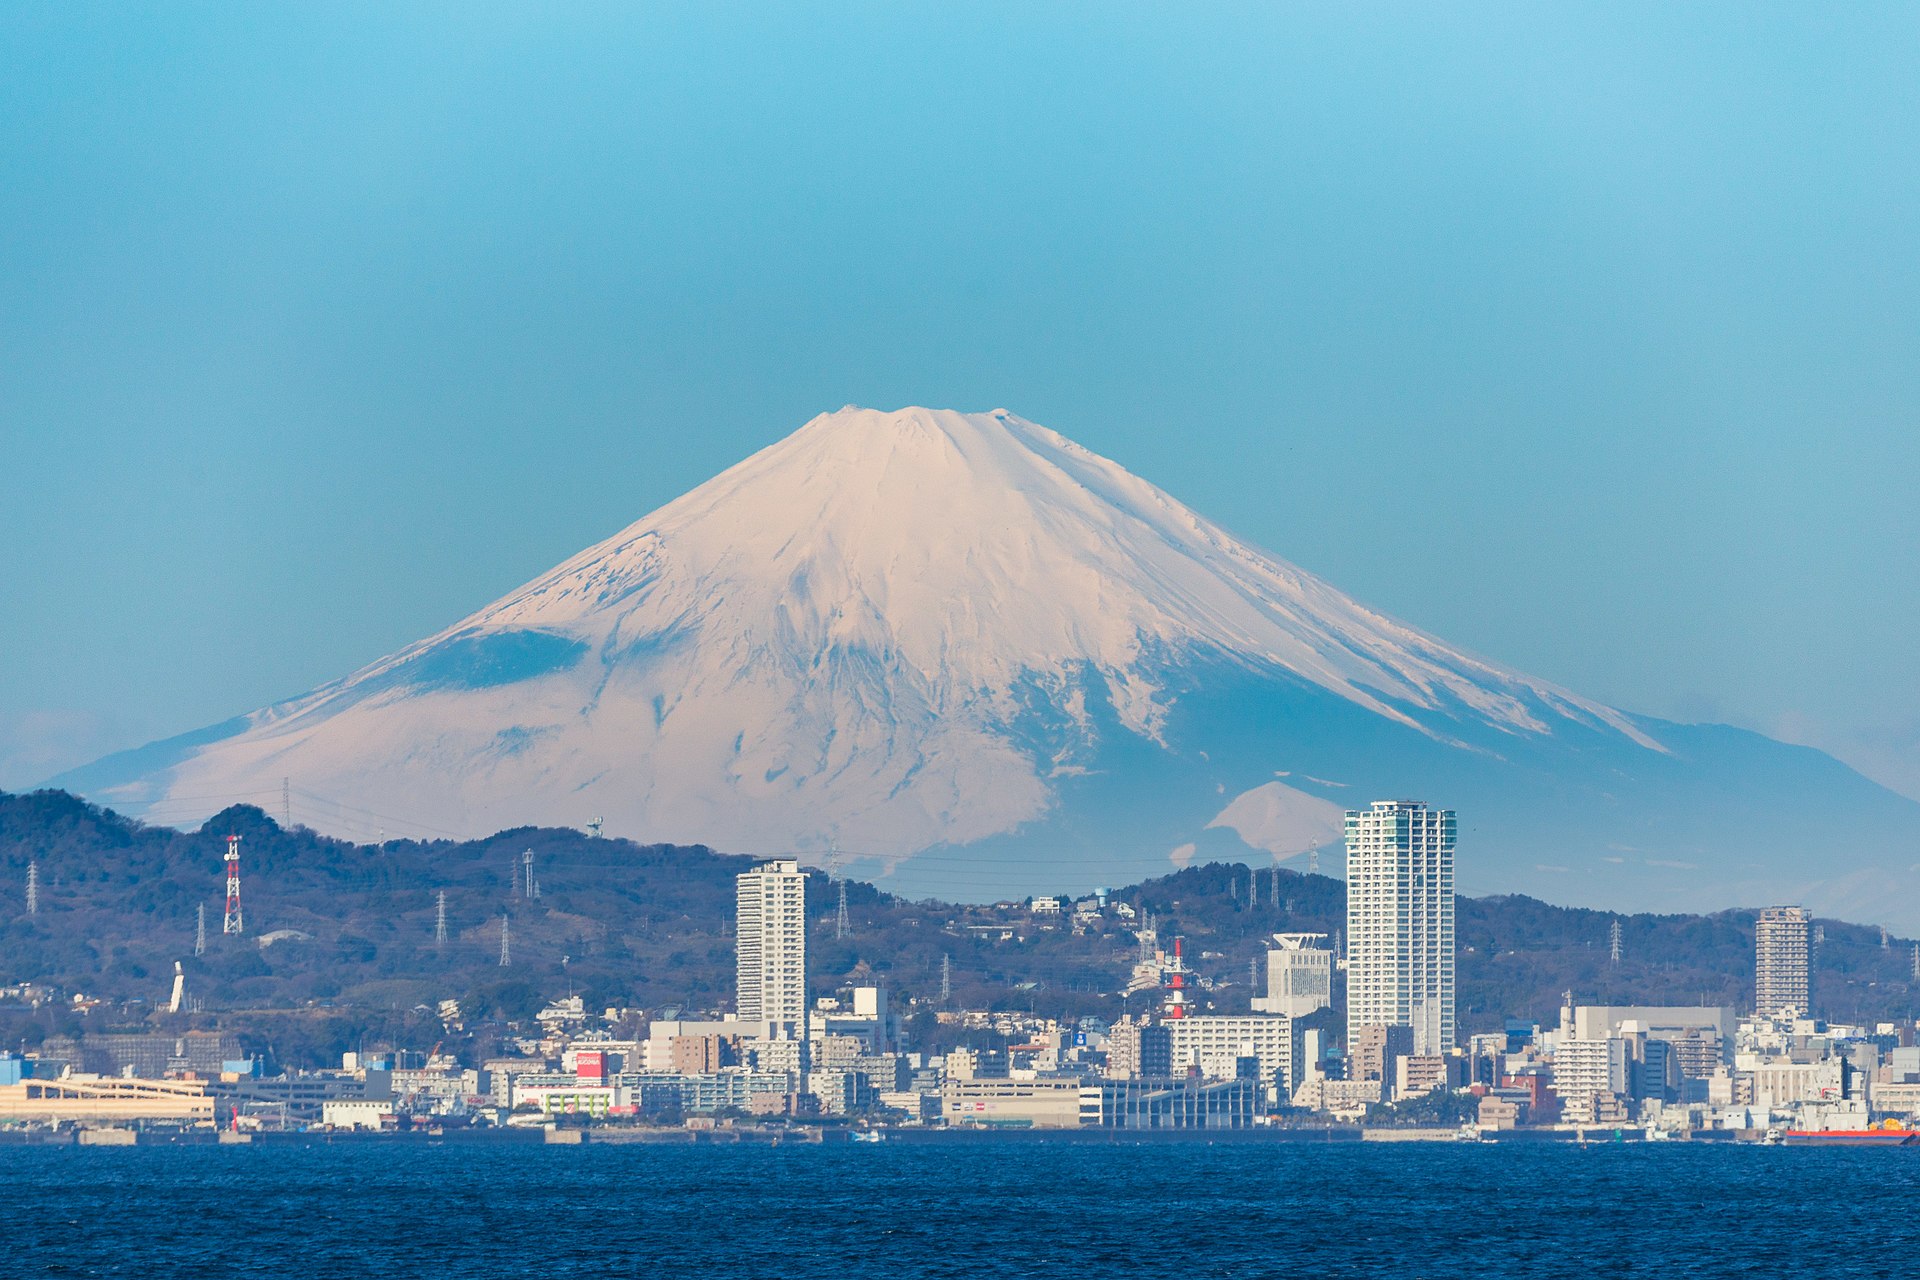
233	923
1176	1005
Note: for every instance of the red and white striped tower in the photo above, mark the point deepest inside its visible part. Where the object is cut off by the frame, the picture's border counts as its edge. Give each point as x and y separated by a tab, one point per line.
1176	1003
233	923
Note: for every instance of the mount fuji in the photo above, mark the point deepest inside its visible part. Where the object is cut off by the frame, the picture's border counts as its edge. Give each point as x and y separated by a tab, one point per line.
980	660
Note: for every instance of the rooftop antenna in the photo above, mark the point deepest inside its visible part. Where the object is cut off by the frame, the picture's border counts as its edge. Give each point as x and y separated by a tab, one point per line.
506	944
33	888
440	919
1614	949
234	922
200	930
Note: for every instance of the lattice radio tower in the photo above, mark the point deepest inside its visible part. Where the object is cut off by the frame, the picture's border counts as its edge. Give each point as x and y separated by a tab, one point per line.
440	919
33	888
1313	861
946	974
1916	961
200	930
1175	1004
234	922
1614	943
506	941
286	804
840	926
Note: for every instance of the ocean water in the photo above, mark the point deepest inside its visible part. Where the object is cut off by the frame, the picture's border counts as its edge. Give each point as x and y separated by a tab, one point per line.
897	1211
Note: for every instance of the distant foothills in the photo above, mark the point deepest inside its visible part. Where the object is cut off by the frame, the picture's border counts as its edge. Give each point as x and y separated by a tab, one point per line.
340	939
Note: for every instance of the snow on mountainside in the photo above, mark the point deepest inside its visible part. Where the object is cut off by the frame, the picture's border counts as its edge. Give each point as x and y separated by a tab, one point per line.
895	631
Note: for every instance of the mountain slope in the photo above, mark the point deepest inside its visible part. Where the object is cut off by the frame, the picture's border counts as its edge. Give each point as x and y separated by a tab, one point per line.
964	646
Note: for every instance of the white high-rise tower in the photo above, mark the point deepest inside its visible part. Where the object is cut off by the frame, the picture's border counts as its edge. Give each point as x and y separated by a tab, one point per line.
1400	927
770	919
1783	965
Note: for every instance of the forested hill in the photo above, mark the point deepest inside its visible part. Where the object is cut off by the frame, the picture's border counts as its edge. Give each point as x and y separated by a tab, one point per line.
330	924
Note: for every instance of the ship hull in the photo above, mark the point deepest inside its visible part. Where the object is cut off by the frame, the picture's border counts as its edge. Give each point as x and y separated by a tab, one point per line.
1853	1138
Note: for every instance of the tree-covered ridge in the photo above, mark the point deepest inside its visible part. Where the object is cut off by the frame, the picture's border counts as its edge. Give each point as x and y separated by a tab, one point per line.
649	926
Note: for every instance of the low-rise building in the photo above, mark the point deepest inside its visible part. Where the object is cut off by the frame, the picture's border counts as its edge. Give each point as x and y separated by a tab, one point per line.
1036	1104
85	1097
358	1113
1169	1104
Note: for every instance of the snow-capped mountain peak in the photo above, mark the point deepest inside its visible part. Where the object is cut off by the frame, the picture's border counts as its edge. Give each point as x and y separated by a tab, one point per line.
922	629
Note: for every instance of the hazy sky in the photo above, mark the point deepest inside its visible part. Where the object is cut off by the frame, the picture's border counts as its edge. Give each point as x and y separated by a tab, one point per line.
1585	337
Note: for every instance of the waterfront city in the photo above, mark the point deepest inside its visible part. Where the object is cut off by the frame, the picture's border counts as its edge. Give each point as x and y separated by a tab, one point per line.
1351	1035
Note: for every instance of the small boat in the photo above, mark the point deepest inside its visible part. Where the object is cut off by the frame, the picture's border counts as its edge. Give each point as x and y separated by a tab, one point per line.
869	1135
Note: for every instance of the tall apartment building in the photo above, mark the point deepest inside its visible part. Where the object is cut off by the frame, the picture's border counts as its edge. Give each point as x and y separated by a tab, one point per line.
1299	975
1400	921
770	919
1782	962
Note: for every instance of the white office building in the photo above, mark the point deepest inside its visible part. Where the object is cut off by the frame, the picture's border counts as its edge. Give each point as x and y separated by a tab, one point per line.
1400	925
1299	975
1216	1045
771	926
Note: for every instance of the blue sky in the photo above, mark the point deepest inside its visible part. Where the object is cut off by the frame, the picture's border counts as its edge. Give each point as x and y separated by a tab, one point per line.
1584	336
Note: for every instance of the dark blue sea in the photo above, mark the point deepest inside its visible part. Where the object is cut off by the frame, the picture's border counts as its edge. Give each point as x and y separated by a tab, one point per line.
1012	1208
